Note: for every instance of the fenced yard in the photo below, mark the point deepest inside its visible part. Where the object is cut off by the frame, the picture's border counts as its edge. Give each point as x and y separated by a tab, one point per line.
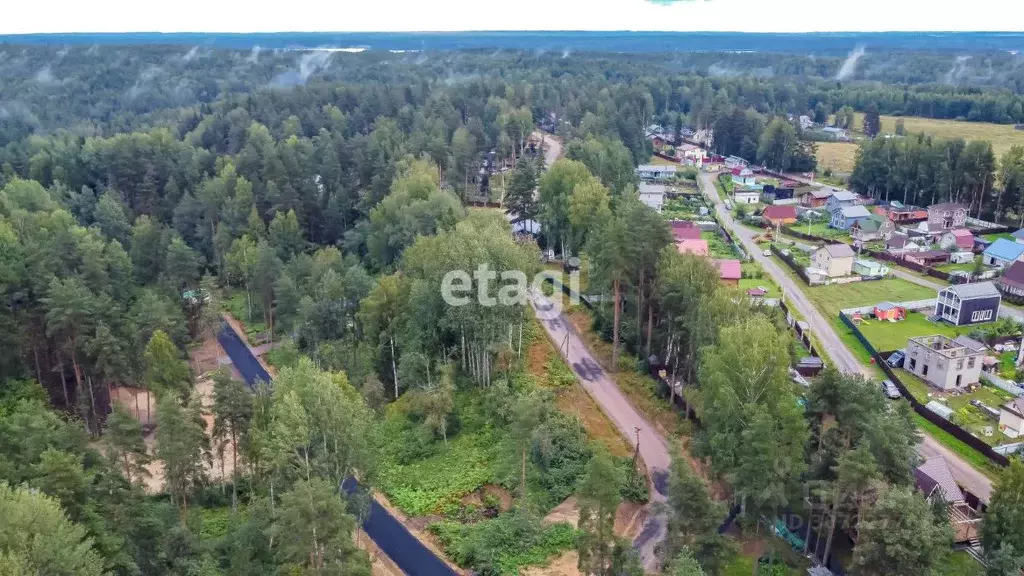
821	229
835	297
885	335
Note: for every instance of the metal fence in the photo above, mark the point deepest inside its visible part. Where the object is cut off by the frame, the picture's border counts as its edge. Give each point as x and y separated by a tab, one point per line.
957	432
1002	384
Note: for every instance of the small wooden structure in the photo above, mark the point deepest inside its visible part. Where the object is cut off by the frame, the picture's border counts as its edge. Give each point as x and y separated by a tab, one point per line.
889	311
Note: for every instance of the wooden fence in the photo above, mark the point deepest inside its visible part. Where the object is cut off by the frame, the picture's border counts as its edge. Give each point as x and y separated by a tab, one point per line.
792	264
957	432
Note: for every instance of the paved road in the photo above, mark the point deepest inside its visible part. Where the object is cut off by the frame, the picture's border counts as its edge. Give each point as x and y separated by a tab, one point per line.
593	378
974	481
411	556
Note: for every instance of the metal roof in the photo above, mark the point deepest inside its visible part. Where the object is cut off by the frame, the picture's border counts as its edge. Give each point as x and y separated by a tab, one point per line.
974	290
934	473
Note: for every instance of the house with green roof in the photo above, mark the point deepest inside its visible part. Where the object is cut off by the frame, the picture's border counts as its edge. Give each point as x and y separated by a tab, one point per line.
872	228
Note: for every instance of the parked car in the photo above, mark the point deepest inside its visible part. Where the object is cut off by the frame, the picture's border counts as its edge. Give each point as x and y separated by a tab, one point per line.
890	389
896	359
767	253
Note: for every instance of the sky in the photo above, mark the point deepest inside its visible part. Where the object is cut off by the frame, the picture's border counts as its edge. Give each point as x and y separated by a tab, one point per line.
40	16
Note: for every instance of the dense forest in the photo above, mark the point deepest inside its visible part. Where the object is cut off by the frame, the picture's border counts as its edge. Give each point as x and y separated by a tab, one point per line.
322	199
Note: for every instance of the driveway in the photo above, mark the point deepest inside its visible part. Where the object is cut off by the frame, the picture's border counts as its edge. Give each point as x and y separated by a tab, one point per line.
974	481
603	389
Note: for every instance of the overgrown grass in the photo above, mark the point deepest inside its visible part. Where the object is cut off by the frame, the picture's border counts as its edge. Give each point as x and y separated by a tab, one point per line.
1002	136
885	335
718	246
836	156
961	564
236	303
504	544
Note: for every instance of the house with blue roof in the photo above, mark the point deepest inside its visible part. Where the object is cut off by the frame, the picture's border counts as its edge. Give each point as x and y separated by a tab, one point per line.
845	217
1018	236
1002	253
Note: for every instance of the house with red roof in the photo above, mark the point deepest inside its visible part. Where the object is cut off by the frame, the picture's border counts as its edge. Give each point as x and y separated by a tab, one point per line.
959	238
779	215
698	247
730	271
743	176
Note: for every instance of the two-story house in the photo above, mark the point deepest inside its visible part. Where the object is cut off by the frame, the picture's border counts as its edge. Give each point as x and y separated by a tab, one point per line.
946	363
965	304
834	260
841	198
948	215
874	227
844	217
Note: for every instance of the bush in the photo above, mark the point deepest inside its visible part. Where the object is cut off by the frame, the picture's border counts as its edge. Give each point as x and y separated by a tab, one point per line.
503	544
634	484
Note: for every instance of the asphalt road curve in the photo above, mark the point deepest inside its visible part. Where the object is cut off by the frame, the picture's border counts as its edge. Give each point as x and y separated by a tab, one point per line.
387	533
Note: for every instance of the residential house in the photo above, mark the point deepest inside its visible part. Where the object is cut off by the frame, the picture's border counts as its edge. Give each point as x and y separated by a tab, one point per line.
656	172
901	213
965	304
840	134
1002	253
691	153
524	228
1011	418
869	268
928	232
928	258
834	260
743	176
806	123
873	228
746	196
698	247
816	198
946	363
961	257
843	217
779	215
1018	236
899	244
1011	283
730	271
684	230
936	481
958	238
734	161
840	199
657	142
769	194
653	195
948	215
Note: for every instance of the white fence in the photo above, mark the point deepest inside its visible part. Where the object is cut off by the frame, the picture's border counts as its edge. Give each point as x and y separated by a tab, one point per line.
1003	384
919	305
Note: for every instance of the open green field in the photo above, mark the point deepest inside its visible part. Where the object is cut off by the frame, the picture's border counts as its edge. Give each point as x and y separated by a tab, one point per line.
836	156
994	237
1002	136
831	299
885	335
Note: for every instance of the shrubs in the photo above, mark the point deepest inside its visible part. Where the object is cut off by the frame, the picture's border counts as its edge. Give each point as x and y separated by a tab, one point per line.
503	544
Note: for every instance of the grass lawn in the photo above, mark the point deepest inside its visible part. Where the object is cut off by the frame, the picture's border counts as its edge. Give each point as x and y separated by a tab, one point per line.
659	161
918	388
822	230
765	282
833	298
965	267
893	335
1002	136
837	156
961	564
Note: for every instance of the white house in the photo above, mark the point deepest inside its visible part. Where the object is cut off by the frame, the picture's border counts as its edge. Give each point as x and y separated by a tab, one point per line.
746	196
653	195
1011	418
655	172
